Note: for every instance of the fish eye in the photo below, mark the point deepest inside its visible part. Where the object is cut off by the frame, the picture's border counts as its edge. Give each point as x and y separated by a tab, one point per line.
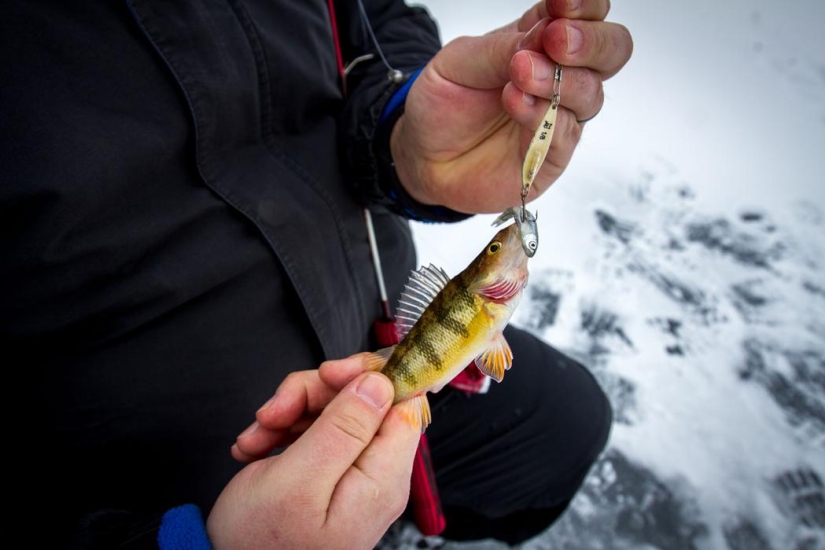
494	247
533	245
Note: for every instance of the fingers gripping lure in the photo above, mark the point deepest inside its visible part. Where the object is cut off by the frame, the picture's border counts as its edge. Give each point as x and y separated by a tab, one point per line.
540	144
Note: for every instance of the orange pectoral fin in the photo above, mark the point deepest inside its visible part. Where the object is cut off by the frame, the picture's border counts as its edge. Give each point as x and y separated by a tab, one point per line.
416	411
497	359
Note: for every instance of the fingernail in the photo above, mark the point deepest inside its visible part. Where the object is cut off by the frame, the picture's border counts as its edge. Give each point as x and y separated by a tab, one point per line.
574	39
268	403
375	390
528	99
250	430
540	68
530	40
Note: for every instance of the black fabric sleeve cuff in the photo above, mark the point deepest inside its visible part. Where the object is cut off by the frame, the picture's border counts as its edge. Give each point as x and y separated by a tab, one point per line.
395	197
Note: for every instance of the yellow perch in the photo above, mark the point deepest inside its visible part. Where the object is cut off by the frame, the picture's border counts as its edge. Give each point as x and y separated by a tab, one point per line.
444	323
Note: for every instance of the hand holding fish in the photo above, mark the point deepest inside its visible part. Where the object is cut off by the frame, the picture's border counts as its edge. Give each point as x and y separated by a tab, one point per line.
350	459
349	454
472	112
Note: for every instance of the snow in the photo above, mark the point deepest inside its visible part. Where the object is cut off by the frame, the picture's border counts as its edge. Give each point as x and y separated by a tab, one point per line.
681	260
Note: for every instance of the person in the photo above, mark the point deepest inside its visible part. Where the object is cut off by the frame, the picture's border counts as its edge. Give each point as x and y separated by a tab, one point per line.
183	192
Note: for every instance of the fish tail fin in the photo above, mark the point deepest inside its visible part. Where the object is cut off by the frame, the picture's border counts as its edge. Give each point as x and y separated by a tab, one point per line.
416	411
375	360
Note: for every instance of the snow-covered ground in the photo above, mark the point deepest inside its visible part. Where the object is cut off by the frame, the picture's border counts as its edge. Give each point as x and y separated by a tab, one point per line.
681	260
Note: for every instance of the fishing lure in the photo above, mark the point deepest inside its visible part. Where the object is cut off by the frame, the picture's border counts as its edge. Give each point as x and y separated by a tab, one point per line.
540	143
527	227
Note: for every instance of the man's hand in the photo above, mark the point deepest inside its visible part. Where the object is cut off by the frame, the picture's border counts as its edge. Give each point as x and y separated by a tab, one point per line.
473	110
343	480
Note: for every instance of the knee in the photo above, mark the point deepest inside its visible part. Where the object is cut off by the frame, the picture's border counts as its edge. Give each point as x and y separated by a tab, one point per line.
576	432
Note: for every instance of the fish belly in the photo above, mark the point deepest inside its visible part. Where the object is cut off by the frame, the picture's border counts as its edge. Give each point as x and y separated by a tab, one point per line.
436	351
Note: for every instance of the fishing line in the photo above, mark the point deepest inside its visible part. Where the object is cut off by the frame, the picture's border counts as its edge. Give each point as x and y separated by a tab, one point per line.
394	74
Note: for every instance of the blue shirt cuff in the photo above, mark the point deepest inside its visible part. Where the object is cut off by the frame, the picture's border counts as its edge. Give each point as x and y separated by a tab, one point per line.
183	529
399	97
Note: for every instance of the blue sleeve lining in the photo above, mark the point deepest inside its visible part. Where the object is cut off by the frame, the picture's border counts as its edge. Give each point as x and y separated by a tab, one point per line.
183	528
399	97
393	189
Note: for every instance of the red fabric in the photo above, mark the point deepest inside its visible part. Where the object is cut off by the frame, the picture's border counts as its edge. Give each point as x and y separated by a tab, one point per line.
385	333
424	494
470	380
426	504
339	57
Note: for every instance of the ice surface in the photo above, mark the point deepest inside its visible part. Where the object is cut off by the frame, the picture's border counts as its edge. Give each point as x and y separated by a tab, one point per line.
681	260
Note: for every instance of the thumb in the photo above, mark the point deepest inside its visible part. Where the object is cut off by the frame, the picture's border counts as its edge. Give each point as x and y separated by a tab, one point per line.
481	62
338	437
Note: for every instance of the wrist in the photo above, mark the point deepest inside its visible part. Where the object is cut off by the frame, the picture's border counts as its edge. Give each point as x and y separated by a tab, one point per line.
403	160
396	160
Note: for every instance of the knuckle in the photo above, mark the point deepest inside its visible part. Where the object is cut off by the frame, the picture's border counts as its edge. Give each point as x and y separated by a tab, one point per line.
627	40
391	498
353	426
602	43
599	99
572	129
292	379
594	81
398	503
589	87
585	83
463	40
585	88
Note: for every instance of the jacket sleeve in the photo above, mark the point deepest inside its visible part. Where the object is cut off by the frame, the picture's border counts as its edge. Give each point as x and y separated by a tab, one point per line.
179	528
407	38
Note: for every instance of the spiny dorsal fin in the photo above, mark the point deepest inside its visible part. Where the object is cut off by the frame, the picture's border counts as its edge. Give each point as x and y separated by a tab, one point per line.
422	288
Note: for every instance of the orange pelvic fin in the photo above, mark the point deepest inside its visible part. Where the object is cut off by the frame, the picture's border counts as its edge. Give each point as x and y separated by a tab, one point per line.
376	360
416	411
497	359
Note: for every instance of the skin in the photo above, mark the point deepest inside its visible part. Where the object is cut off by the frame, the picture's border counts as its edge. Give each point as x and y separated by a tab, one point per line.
339	485
468	119
487	94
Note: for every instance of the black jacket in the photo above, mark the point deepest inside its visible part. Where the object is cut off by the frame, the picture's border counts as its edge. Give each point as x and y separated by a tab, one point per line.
182	228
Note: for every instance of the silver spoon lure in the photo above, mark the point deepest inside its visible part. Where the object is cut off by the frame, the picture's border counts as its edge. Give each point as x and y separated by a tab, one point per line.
527	227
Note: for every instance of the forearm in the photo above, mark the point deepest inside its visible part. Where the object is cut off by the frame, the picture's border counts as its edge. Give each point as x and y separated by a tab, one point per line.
408	39
181	527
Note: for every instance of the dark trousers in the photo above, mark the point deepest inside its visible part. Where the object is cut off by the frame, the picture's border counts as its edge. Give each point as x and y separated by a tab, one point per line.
508	462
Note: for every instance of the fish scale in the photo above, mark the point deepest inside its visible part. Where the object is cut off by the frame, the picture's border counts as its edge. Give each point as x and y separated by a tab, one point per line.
444	324
426	346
